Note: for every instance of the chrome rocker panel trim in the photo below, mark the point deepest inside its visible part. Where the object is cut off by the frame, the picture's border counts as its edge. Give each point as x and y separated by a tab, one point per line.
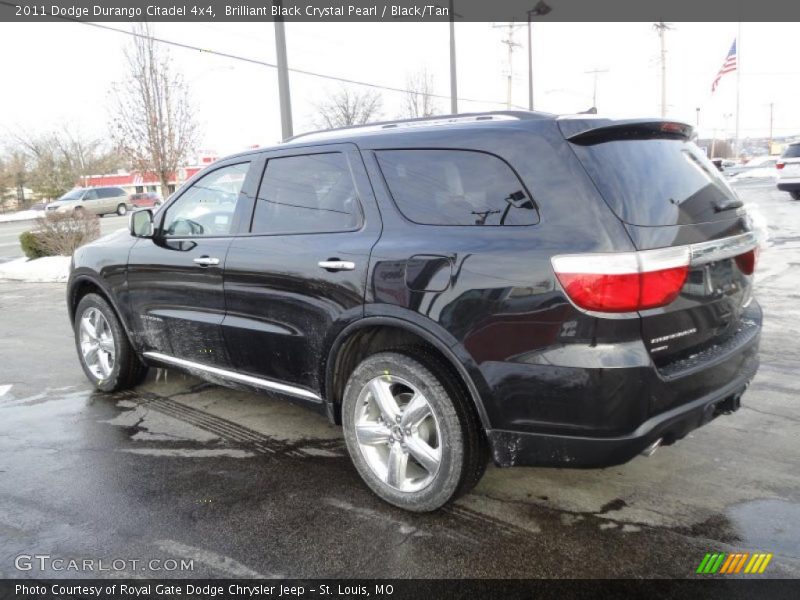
234	376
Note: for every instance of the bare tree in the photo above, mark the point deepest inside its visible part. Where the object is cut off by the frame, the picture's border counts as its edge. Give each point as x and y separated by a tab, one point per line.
152	122
54	162
419	101
344	108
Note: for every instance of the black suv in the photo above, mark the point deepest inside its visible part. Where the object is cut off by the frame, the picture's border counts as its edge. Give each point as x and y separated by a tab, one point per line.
560	291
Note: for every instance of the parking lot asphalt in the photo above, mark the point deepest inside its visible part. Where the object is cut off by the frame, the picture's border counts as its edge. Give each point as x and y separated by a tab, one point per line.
244	484
9	234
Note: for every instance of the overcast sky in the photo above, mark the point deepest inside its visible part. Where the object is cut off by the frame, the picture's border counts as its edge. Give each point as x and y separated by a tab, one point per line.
55	73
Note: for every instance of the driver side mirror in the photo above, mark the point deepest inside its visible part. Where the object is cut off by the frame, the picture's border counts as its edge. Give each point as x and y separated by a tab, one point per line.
141	223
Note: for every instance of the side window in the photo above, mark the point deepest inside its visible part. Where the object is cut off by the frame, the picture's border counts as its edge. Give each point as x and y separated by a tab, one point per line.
207	207
103	193
456	187
90	195
306	194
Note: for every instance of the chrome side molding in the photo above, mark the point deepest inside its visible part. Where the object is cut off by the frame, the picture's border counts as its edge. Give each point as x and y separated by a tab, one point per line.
234	376
714	250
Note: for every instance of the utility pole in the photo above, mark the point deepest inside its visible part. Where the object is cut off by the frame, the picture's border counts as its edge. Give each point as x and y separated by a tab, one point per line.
453	78
511	45
662	28
771	107
595	72
283	77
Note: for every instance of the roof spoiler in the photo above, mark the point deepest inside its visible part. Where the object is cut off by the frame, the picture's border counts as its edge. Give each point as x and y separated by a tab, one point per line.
588	131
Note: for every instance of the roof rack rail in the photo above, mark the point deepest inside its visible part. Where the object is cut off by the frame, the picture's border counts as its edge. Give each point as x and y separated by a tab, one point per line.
423	122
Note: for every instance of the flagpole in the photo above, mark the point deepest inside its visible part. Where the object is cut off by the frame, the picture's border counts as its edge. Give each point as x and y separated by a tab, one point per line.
738	86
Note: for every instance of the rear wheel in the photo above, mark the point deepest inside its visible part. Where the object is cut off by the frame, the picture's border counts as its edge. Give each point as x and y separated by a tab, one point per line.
106	355
410	431
122	209
795	195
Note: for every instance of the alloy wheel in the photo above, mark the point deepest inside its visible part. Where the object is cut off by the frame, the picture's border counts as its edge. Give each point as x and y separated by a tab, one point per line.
398	433
97	343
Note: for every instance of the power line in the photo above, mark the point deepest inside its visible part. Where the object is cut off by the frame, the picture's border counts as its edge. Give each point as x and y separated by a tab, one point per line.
264	63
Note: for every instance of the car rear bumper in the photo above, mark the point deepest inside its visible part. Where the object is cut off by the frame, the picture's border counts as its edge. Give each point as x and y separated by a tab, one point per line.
791	185
510	448
635	408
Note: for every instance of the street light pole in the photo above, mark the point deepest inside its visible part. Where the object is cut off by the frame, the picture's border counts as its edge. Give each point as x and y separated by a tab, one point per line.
283	77
453	78
539	10
530	64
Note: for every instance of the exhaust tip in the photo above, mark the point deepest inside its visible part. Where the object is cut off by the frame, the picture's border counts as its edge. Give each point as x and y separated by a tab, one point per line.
651	449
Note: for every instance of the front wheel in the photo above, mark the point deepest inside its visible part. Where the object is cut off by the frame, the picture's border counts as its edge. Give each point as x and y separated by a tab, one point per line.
106	355
122	209
411	432
795	195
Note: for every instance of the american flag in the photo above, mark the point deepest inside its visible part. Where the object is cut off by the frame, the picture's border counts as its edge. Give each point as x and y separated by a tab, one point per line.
729	66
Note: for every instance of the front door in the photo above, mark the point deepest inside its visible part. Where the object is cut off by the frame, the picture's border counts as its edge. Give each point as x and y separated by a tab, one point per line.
299	276
175	279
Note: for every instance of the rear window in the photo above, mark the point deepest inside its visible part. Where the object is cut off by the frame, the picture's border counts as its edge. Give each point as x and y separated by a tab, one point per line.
658	181
456	187
792	151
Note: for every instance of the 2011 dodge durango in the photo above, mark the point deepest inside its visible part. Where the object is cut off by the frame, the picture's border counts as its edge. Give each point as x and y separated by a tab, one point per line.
534	289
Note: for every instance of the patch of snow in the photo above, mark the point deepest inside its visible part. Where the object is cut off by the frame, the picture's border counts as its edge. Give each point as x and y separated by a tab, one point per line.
23	215
39	270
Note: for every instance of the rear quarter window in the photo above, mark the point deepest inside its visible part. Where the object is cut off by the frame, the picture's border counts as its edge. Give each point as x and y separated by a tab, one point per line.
792	151
456	187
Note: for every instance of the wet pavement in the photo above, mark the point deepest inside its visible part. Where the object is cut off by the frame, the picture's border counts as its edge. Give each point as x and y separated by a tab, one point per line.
244	484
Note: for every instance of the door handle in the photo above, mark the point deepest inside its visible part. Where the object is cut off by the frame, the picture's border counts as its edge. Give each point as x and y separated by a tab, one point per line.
206	261
336	265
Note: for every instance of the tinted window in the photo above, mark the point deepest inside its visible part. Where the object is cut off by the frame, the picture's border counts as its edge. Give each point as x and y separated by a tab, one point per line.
456	187
206	208
792	151
109	192
90	195
71	196
306	194
658	181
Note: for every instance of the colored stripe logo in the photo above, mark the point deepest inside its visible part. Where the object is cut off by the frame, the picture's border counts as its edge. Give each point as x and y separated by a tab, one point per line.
739	562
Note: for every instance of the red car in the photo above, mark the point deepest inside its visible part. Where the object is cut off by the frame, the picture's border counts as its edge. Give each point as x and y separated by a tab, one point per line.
146	200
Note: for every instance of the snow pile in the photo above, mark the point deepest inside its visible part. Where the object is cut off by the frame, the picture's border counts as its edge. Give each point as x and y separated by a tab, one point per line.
23	215
39	270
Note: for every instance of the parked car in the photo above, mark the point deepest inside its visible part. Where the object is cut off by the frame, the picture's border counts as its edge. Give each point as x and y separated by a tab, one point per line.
146	200
762	167
540	290
789	170
96	200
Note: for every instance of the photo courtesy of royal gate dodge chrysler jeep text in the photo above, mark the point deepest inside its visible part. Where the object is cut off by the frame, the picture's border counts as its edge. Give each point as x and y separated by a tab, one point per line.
515	286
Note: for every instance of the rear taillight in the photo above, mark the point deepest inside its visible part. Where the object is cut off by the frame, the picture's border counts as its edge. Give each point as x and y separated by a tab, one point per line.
623	282
747	261
780	165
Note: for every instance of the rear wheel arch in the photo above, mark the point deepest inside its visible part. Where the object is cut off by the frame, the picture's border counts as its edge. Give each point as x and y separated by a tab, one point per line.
377	334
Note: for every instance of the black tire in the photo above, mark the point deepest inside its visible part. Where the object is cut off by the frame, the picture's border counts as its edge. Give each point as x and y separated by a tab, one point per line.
128	370
122	209
463	445
78	210
795	195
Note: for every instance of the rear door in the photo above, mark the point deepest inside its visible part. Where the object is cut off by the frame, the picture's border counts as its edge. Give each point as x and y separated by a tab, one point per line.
665	190
299	276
